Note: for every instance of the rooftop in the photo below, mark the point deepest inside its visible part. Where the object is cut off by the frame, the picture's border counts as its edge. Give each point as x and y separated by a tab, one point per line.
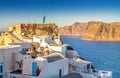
80	60
72	75
9	46
53	57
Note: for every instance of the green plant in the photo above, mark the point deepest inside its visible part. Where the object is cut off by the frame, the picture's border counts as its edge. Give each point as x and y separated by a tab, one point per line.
33	54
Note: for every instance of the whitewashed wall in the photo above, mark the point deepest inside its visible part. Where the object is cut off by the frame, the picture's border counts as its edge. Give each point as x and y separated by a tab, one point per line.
6	52
18	58
17	49
7	60
23	44
1	56
62	48
36	39
71	54
48	39
54	67
27	65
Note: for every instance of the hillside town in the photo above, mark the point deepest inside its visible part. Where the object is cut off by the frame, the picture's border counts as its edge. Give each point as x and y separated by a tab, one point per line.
42	55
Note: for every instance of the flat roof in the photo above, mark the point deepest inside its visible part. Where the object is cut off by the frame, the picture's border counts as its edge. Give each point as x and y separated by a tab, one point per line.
54	57
78	61
9	46
81	60
72	75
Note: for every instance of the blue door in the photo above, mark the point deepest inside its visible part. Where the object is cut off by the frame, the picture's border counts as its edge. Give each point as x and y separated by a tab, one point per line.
34	68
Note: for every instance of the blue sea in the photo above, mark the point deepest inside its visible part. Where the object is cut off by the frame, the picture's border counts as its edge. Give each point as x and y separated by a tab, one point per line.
103	55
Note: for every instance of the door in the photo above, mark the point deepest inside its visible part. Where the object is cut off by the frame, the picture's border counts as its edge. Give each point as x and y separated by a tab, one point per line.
60	73
34	68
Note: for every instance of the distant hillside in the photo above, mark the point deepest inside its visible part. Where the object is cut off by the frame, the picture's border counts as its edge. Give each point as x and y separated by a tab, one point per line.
19	32
93	31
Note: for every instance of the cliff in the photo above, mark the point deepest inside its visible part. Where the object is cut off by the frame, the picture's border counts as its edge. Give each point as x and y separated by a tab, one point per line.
66	30
93	30
28	30
19	32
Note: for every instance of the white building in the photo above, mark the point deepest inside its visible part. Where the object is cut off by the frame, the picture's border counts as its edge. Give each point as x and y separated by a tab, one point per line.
62	60
51	66
50	43
6	58
83	67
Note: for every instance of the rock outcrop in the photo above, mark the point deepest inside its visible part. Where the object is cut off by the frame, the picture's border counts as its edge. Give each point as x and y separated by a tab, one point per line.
28	30
66	30
19	32
93	30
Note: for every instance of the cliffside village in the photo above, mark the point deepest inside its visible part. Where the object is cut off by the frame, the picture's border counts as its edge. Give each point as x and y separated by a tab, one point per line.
44	57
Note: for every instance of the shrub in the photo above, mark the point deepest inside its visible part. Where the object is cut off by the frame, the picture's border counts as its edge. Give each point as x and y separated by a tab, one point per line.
33	54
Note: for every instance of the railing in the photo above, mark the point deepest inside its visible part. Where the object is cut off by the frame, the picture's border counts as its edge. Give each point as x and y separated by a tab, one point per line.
97	74
104	74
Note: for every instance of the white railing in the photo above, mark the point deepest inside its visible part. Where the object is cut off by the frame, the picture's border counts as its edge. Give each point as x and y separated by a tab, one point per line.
98	74
104	74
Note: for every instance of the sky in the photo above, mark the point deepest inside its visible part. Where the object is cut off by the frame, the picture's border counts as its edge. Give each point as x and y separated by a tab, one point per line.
60	12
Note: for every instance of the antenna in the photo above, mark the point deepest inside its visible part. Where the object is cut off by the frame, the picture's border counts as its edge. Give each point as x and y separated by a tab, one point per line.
43	19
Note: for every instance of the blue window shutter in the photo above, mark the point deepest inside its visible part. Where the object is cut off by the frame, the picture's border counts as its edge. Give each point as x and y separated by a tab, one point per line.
34	68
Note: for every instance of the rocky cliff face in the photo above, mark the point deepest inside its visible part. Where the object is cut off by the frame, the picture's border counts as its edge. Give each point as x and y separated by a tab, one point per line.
28	30
66	30
18	32
94	31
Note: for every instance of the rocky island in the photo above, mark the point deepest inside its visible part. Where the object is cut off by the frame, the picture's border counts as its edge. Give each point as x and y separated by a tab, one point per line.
93	30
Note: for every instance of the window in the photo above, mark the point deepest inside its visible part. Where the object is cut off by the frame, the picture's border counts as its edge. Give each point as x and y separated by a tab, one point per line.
74	68
14	77
1	71
1	68
83	69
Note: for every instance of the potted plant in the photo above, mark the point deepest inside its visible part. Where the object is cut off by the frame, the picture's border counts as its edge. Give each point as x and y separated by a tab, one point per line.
33	54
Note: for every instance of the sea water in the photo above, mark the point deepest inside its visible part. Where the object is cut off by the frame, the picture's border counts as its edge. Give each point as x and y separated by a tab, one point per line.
103	55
